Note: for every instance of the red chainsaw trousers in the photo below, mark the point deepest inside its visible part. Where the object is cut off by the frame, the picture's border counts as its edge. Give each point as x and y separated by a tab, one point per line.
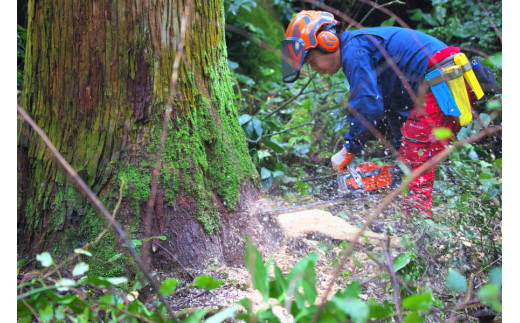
419	145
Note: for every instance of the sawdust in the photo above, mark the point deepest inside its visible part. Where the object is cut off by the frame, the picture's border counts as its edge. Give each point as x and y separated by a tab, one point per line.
304	232
300	224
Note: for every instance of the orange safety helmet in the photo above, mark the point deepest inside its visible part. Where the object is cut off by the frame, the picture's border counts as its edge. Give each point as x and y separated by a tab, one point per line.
308	29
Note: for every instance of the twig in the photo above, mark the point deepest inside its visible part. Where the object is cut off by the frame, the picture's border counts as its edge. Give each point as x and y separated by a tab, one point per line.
177	260
169	107
283	105
255	40
277	133
476	51
134	315
310	179
313	205
190	299
379	6
486	12
399	279
376	211
470	287
390	267
30	309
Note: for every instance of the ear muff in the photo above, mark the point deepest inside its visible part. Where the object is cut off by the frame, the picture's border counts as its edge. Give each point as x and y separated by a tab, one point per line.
327	41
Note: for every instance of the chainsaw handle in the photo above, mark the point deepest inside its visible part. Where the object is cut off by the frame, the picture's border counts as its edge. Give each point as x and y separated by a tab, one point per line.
356	176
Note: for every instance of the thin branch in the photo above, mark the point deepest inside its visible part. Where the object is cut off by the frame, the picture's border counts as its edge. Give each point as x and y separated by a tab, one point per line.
486	12
30	309
476	51
276	133
379	6
255	40
391	272
190	299
381	265
169	107
317	178
290	100
177	260
96	203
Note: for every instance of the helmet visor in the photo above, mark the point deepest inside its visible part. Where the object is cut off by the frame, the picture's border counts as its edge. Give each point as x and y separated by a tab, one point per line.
293	56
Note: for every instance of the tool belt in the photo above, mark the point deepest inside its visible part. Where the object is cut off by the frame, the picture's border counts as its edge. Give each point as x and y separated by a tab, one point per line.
447	80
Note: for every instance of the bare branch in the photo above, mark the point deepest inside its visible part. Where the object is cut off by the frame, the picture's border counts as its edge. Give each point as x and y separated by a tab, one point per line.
391	272
290	100
277	133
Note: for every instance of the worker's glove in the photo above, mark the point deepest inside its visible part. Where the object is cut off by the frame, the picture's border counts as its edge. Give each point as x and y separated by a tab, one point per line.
341	160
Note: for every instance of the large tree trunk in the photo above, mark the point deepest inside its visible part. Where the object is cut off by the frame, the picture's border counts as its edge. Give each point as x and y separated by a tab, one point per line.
98	76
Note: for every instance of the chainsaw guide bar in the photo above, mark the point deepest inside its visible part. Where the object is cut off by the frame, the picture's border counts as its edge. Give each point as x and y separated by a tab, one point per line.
362	178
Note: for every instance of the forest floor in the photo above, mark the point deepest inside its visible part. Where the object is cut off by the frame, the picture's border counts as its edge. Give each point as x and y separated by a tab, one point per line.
322	231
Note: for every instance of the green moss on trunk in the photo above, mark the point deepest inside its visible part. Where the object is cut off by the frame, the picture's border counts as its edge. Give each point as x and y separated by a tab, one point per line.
97	80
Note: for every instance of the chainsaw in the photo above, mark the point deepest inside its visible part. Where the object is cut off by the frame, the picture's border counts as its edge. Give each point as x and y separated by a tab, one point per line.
362	178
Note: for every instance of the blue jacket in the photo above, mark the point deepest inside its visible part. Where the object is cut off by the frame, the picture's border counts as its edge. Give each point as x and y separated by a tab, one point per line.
375	89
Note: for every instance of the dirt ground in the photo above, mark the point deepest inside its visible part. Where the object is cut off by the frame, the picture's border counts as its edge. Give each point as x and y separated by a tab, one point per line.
322	231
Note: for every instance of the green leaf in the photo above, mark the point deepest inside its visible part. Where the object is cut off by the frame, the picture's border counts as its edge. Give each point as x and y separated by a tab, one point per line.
355	308
119	255
276	146
495	276
265	173
46	313
418	302
83	252
456	281
56	298
243	119
303	274
257	124
168	287
207	282
278	286
21	262
493	105
484	175
498	163
195	317
413	317
80	269
351	291
379	311
401	261
442	133
261	154
223	315
255	266
301	187
388	22
117	280
495	60
45	259
64	284
489	294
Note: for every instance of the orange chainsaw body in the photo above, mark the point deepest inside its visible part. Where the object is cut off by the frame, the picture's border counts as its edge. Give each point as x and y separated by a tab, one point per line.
366	177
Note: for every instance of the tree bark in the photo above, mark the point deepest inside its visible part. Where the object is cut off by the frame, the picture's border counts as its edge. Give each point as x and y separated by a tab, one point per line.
97	80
